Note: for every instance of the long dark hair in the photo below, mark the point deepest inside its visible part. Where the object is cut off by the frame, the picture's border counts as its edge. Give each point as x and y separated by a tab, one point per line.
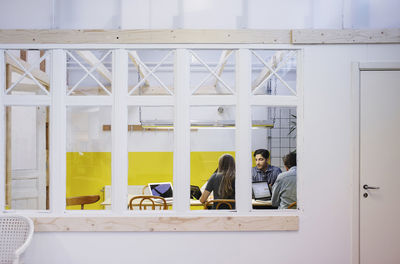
226	167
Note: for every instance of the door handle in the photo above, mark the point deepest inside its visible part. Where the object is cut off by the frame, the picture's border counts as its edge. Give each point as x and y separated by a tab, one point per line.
366	187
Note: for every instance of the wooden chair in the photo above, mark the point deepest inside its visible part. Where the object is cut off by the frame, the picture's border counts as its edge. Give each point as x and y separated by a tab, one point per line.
227	204
292	205
148	200
82	200
145	190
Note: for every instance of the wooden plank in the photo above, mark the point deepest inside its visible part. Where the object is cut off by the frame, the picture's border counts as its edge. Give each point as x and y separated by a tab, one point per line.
345	36
145	36
166	223
212	36
134	57
22	55
43	63
8	143
220	69
266	72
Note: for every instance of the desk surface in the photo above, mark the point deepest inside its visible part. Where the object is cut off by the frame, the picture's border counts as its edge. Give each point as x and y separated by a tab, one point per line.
192	202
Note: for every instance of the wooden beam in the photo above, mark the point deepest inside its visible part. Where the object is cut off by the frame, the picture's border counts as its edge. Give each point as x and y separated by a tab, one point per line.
266	72
41	76
166	223
8	143
220	69
22	55
211	36
141	128
92	60
43	63
345	36
145	36
134	57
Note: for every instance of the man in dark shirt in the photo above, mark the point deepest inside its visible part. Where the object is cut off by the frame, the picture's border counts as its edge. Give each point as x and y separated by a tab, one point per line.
263	171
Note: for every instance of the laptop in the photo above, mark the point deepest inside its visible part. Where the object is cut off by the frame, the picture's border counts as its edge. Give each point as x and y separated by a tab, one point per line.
163	189
261	191
195	192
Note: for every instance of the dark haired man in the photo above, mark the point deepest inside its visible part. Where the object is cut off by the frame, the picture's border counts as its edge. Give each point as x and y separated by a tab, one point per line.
284	190
263	171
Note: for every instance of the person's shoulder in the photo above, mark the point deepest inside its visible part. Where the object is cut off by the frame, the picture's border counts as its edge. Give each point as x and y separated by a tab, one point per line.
215	176
287	174
282	175
275	169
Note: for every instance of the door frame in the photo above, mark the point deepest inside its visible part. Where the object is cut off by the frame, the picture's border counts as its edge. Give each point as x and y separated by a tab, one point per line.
356	69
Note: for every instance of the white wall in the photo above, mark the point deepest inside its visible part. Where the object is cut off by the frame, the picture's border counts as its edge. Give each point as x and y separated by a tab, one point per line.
205	14
325	186
325	182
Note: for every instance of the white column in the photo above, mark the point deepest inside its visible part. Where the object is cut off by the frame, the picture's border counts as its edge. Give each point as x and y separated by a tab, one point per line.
57	151
181	132
2	132
243	131
119	130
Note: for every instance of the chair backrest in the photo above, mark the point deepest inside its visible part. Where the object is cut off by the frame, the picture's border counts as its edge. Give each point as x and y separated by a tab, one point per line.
143	201
220	204
145	190
82	200
16	233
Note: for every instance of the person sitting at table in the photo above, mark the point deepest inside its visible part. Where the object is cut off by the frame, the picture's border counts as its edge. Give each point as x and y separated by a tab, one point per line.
222	182
263	171
284	190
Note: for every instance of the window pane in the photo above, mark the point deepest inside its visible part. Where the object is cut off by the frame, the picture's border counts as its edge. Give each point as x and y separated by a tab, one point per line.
212	72
89	72
274	129
212	136
88	154
274	72
27	180
150	153
151	72
27	72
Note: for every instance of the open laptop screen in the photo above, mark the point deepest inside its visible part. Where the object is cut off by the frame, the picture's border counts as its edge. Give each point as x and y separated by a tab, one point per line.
163	189
261	190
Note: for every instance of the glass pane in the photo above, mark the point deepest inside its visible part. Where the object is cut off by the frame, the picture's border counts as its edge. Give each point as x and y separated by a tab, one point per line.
88	156
89	72
151	72
212	72
27	148
278	76
150	154
271	142
212	139
27	72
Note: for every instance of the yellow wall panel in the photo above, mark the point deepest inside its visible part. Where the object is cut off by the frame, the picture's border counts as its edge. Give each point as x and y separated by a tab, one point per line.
89	172
147	167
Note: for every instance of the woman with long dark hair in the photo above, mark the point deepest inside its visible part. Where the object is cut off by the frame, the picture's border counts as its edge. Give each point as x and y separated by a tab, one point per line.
222	182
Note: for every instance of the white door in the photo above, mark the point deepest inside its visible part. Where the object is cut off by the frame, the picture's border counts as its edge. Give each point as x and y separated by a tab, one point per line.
28	157
379	167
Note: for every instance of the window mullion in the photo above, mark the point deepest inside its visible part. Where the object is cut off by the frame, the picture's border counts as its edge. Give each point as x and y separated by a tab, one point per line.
2	132
119	154
299	124
243	131
58	132
181	132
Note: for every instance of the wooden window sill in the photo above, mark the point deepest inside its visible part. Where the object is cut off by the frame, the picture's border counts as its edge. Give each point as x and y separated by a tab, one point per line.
165	223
